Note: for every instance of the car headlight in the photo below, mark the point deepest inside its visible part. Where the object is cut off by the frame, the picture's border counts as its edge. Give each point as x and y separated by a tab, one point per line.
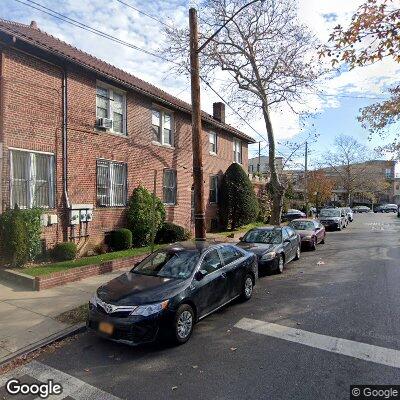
268	256
93	300
150	309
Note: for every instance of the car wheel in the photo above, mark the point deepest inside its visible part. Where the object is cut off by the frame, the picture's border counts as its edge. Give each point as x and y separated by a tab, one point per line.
298	251
314	244
281	264
183	324
323	240
247	288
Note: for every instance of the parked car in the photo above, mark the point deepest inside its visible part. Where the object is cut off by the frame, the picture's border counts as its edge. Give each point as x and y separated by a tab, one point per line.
170	290
333	218
311	232
293	214
389	208
349	212
361	209
378	208
274	246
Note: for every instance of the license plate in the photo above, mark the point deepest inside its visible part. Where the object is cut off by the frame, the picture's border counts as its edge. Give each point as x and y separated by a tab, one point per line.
106	327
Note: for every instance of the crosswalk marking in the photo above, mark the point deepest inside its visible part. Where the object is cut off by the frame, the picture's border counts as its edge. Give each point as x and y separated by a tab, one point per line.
362	351
72	387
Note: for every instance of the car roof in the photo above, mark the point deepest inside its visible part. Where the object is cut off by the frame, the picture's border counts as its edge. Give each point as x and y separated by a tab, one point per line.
192	245
304	220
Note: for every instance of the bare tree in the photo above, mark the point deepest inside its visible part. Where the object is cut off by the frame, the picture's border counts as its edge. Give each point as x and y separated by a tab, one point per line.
267	56
348	163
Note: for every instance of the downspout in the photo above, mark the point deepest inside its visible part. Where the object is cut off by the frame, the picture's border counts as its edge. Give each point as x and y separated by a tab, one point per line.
65	137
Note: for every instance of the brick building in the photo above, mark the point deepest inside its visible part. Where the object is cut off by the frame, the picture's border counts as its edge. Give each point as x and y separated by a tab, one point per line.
77	135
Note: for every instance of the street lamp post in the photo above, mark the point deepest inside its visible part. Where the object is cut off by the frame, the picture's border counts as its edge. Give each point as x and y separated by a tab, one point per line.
197	146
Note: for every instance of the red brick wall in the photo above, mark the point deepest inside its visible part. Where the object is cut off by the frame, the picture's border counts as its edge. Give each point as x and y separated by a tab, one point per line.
31	118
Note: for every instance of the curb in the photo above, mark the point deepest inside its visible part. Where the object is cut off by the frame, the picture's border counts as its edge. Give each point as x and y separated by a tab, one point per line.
65	333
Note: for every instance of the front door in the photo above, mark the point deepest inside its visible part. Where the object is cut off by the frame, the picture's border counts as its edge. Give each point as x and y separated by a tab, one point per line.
210	291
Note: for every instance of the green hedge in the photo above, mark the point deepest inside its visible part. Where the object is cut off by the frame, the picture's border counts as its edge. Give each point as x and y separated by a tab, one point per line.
120	239
170	233
65	251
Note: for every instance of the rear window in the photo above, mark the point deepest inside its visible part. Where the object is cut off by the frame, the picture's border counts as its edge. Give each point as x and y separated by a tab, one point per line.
230	254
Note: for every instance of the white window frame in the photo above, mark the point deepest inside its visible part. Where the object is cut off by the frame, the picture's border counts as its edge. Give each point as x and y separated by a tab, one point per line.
32	178
214	135
162	112
216	179
172	187
110	185
237	155
110	112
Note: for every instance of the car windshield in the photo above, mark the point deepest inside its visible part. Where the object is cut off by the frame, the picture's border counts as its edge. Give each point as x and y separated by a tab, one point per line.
169	263
270	236
302	225
330	213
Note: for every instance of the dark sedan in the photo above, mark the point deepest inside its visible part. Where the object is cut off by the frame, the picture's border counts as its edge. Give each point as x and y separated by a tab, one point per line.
311	232
274	246
170	290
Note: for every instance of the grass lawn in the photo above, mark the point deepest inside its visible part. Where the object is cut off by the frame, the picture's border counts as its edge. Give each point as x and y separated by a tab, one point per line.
243	229
80	262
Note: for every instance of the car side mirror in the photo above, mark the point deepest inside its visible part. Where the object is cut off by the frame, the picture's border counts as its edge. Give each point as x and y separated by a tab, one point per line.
241	238
199	275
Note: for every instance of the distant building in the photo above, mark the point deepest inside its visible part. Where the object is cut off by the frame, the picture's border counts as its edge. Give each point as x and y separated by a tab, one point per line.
261	165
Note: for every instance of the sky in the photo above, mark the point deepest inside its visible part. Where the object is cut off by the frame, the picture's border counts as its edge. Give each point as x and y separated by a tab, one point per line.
330	114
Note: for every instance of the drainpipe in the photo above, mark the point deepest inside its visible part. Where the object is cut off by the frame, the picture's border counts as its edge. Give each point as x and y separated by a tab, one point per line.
65	137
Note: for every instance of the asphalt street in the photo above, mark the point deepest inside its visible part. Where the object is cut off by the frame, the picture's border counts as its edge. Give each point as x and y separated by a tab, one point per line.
349	288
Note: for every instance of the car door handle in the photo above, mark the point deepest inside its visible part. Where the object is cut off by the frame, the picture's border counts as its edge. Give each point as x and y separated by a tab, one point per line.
223	275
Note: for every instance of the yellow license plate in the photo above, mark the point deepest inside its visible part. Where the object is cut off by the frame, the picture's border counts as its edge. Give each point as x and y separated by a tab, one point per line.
106	327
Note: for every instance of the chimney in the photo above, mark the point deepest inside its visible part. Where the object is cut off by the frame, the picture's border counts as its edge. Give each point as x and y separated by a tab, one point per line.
34	25
219	111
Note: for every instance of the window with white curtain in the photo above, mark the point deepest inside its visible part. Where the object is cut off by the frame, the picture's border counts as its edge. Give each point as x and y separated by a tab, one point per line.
237	151
31	179
111	103
213	142
111	183
169	186
162	127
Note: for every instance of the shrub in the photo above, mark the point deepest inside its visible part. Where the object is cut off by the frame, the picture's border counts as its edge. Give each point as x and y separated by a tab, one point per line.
170	233
140	215
238	202
64	251
120	239
20	235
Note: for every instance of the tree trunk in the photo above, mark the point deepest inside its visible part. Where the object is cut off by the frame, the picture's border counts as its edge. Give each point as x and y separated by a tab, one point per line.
277	189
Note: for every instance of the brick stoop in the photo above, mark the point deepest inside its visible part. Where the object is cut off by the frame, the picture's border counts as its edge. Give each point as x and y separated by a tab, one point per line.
79	273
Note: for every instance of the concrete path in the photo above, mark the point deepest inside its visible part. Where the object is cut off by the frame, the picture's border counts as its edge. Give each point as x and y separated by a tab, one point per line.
28	317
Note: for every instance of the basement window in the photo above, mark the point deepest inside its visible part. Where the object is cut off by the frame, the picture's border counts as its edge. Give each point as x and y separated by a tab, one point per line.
31	179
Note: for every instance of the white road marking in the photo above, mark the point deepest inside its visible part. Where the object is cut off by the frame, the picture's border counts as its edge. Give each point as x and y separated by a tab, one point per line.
362	351
73	387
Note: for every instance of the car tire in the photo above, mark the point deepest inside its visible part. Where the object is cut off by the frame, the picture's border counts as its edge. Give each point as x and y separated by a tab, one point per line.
281	264
314	245
298	251
183	323
247	288
323	240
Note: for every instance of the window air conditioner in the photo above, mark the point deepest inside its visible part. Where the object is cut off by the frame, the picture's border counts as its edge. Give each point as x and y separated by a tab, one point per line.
104	123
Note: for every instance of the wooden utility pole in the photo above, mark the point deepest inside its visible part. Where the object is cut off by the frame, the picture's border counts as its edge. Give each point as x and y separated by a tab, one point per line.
198	183
305	178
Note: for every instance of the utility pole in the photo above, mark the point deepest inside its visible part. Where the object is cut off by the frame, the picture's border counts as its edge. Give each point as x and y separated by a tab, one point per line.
198	183
305	178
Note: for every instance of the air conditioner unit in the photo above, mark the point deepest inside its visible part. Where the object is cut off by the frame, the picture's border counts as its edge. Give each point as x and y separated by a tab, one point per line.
104	123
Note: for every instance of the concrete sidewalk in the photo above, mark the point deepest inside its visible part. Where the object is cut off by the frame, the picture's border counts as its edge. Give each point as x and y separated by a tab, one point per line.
28	317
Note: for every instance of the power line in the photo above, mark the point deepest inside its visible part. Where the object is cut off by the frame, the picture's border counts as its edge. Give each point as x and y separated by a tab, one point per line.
144	13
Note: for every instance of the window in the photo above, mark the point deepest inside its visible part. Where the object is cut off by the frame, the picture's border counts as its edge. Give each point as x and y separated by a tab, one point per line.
213	197
237	151
111	183
162	127
111	103
213	142
388	173
211	262
31	179
169	187
230	254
